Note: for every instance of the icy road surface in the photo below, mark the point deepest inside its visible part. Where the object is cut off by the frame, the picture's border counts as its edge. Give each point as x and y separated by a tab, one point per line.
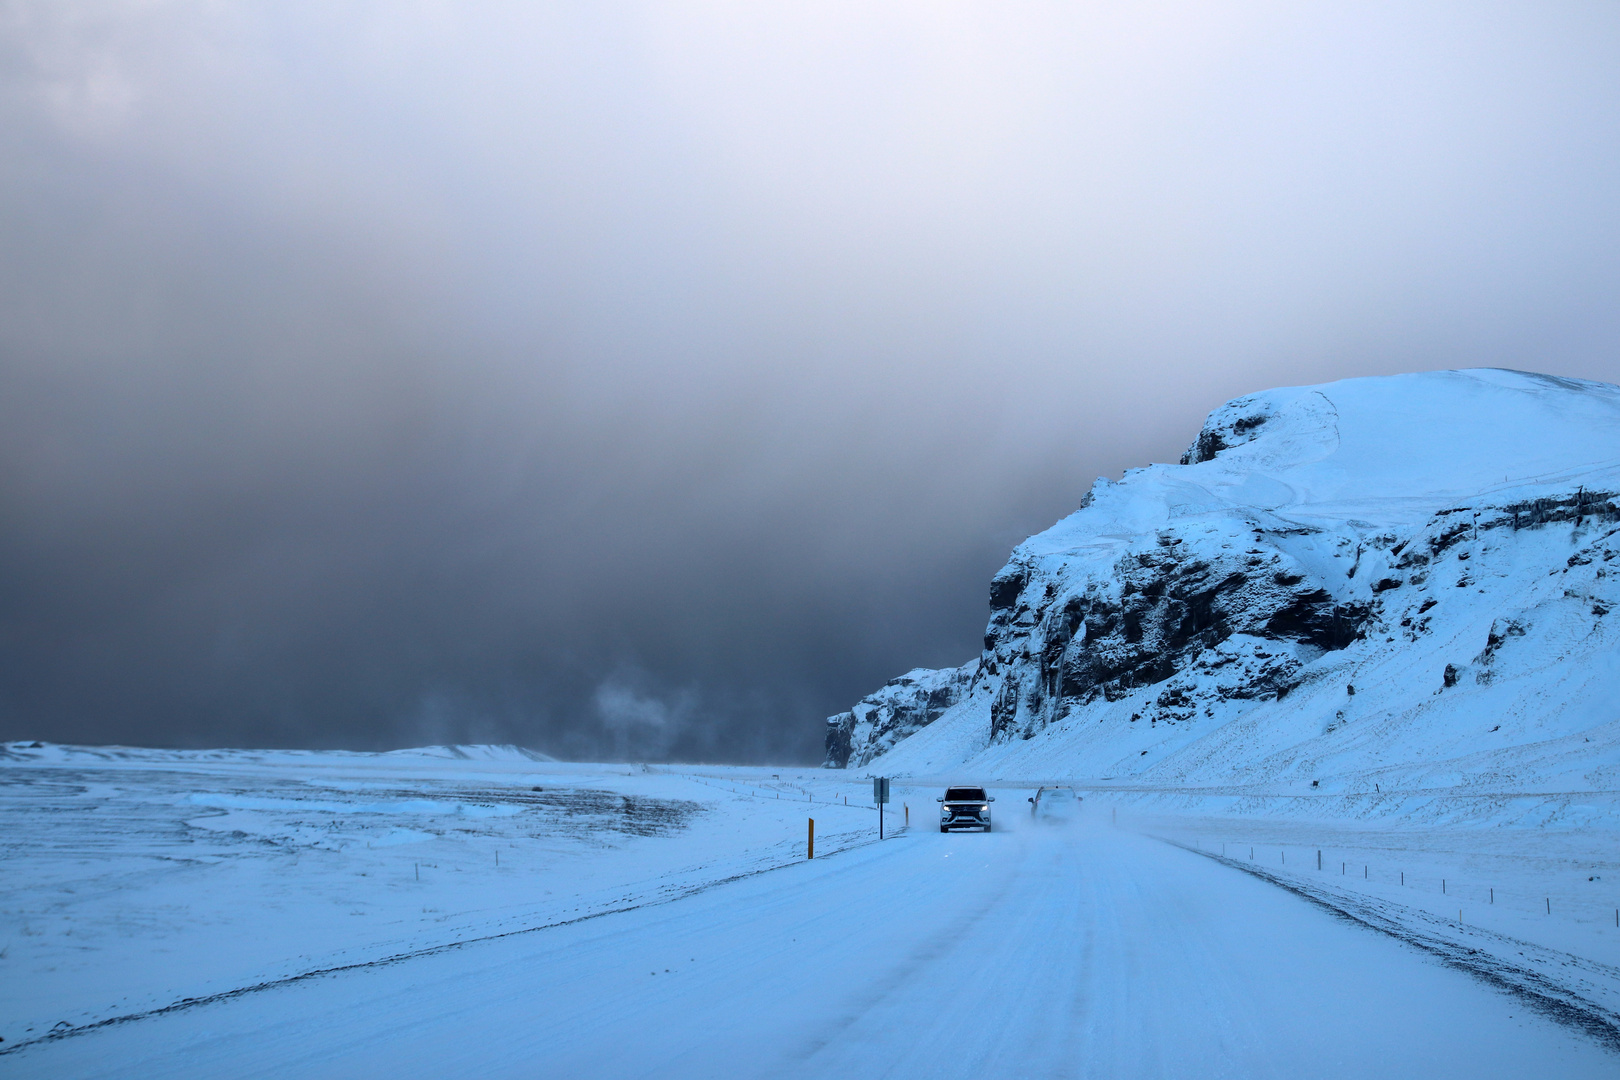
1031	952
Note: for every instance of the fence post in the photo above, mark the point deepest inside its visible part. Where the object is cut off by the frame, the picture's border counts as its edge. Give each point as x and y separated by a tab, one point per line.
810	849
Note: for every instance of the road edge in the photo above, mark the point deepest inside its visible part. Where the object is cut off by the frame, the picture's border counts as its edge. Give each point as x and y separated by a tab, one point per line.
1559	1002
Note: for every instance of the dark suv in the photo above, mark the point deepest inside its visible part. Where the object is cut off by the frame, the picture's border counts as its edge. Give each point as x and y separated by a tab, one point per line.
964	808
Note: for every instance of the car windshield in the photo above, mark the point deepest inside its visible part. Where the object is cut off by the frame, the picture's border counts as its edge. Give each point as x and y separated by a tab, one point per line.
964	794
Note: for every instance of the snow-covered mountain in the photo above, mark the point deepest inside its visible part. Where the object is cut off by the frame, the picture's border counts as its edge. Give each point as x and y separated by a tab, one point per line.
1407	577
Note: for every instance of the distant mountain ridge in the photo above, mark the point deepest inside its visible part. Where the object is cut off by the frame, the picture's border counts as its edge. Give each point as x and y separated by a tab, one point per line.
44	751
1411	574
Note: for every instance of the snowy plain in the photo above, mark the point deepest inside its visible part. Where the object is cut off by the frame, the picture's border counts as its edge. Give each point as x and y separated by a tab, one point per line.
282	914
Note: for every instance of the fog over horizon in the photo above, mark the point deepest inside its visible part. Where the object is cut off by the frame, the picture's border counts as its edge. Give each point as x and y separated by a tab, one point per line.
651	381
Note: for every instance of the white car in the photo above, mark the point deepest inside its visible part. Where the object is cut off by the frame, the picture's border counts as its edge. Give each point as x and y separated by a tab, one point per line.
965	808
1055	804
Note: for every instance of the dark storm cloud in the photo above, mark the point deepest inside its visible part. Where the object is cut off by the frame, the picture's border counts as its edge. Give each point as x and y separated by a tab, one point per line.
654	382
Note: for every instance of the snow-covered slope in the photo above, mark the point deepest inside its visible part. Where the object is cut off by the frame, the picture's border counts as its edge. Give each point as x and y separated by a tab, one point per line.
1400	580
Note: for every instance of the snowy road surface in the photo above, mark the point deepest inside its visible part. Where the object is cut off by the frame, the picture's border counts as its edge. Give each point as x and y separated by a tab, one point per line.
1026	953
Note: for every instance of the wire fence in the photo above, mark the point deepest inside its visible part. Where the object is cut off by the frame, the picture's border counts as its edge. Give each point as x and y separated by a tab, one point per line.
1587	896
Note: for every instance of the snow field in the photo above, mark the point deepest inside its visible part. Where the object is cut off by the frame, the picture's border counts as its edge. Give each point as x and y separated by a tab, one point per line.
1087	951
134	879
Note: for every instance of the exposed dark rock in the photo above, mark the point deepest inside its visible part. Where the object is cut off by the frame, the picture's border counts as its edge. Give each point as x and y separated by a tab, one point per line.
1448	536
1500	631
1006	586
837	743
904	705
1314	619
1160	612
1208	445
1225	428
1578	507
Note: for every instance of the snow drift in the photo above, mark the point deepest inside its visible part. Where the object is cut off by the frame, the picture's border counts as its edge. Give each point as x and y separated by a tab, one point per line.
1398	580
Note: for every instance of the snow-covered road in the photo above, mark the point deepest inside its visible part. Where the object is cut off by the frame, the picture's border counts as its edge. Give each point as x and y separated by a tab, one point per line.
1031	952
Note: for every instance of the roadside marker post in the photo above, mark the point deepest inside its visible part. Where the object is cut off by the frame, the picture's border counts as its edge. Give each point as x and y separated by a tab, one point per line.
880	795
810	851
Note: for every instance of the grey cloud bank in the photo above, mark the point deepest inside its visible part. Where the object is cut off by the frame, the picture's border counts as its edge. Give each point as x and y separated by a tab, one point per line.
653	383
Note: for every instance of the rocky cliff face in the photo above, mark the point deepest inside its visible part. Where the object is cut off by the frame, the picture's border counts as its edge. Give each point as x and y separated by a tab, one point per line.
904	705
1307	533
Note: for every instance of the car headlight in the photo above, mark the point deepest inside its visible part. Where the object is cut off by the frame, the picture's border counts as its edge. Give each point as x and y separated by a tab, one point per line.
985	808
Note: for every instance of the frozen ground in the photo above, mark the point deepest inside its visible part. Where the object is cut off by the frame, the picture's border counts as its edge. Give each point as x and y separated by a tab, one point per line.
666	923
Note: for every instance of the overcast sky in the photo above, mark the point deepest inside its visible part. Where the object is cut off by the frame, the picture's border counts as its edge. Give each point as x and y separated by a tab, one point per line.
646	381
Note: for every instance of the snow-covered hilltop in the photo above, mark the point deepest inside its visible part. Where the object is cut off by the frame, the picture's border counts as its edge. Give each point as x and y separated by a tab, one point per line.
1407	577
